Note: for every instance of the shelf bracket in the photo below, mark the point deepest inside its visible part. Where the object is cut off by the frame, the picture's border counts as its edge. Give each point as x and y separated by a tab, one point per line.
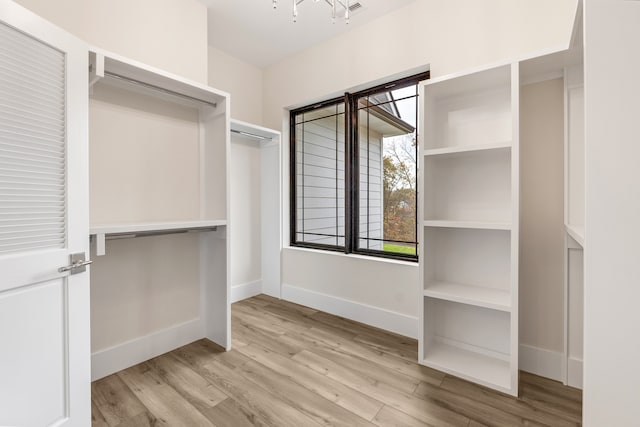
96	69
100	245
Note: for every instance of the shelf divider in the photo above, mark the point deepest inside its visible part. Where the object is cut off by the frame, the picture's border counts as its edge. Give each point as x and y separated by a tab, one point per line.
467	149
479	296
480	225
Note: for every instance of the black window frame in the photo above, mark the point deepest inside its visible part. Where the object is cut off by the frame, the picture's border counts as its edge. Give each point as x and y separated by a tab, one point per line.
352	177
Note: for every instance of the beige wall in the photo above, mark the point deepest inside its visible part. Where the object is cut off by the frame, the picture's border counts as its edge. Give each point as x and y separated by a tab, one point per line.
242	80
449	35
148	284
168	34
542	215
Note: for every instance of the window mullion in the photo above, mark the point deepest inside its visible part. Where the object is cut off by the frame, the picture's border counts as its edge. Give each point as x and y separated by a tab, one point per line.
354	169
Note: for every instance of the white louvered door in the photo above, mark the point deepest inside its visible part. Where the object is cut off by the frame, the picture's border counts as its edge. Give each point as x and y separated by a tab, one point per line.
44	313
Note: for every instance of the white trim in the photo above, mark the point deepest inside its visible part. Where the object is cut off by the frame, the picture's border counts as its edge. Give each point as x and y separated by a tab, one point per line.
111	360
357	256
245	290
574	372
539	361
379	317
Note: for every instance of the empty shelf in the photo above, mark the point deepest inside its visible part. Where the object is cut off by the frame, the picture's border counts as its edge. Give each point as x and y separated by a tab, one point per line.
486	370
482	225
466	149
143	227
495	299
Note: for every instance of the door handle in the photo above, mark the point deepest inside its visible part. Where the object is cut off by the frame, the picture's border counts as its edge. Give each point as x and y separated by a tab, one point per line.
78	264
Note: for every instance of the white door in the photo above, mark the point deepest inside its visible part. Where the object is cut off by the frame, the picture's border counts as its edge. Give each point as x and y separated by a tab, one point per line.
44	313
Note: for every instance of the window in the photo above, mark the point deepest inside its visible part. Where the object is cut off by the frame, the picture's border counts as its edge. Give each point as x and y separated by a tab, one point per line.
353	172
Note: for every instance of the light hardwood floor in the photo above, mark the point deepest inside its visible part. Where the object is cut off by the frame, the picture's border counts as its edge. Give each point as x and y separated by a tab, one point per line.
294	366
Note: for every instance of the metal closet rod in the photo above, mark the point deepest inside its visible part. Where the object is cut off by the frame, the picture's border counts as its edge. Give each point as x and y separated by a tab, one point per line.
252	135
157	88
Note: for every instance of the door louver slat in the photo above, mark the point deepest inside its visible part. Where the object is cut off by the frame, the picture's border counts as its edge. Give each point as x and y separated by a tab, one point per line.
32	144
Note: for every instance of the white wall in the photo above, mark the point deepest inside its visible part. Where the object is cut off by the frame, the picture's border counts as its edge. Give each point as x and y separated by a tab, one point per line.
242	80
381	293
542	215
612	229
449	36
246	227
168	34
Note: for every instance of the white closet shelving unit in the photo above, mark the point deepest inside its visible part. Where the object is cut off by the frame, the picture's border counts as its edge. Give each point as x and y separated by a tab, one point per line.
154	189
256	208
470	175
469	258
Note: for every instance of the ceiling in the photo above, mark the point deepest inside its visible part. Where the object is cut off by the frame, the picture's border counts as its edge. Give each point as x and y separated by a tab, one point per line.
253	31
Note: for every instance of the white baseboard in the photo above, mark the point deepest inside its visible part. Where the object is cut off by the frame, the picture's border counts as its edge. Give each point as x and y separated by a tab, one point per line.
122	356
364	313
574	372
246	290
539	361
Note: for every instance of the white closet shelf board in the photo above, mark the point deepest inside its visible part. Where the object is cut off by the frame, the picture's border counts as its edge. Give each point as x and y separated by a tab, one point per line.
103	62
495	299
577	233
476	367
465	149
142	227
249	128
476	80
480	225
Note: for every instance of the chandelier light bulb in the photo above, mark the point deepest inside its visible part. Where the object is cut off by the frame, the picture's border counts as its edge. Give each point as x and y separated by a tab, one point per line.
334	6
346	12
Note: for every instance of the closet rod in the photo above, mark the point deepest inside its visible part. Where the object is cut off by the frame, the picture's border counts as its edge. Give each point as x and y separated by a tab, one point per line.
252	135
157	88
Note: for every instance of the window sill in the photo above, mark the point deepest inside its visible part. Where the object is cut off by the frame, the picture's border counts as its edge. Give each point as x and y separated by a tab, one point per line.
353	256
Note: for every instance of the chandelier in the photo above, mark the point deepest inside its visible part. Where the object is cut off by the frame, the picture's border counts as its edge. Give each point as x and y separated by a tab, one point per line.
335	4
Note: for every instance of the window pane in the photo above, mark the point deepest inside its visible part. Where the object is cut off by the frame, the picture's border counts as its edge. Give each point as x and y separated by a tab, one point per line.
320	176
387	171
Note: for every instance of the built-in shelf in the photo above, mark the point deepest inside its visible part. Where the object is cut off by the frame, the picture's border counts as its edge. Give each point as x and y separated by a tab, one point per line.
480	368
101	231
469	211
576	232
467	149
148	227
158	165
480	225
496	299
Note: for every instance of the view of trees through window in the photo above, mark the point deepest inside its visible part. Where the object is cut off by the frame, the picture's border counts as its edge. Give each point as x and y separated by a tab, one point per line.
388	149
399	193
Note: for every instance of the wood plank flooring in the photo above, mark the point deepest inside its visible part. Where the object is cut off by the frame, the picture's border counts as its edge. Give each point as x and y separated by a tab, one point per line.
295	366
